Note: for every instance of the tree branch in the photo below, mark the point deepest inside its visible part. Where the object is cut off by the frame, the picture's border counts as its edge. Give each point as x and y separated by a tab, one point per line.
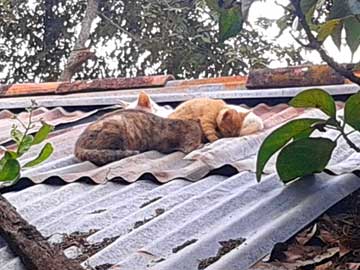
316	45
81	54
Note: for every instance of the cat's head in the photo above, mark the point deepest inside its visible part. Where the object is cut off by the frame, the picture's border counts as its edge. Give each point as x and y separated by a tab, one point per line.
230	121
145	103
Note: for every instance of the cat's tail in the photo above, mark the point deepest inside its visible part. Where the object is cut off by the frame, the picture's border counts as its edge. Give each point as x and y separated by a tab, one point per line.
103	156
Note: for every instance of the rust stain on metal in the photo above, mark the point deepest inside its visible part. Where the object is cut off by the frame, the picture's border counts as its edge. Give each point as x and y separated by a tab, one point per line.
239	80
293	76
113	84
78	86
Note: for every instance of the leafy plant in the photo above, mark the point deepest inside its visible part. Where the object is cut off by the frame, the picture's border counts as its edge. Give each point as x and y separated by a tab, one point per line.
300	154
10	166
317	19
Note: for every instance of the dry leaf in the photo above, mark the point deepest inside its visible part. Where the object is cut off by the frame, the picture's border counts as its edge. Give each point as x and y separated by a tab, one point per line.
325	266
306	235
327	237
353	266
343	250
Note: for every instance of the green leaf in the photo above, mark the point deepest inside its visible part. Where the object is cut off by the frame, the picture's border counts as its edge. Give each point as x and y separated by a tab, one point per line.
25	145
213	5
282	25
315	98
352	30
307	5
16	135
10	170
230	23
336	35
327	29
43	133
340	9
352	111
295	129
45	153
304	157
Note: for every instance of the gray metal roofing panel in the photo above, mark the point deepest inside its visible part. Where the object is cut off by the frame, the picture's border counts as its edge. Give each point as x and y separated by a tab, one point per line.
213	209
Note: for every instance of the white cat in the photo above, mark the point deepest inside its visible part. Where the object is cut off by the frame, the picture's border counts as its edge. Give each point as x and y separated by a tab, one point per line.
145	103
252	123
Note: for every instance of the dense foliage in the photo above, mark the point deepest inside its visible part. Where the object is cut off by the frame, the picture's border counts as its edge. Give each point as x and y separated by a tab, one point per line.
131	37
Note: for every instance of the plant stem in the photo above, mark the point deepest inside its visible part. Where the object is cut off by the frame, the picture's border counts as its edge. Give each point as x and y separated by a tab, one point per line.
27	128
349	142
316	45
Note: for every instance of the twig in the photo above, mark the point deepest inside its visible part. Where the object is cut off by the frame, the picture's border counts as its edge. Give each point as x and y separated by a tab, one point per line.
118	26
81	54
315	44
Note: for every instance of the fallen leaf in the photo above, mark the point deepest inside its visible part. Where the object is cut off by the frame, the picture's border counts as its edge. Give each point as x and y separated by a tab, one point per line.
306	235
343	250
325	266
353	266
327	237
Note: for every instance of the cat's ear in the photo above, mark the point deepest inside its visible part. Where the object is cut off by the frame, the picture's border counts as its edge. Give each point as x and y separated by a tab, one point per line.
144	100
244	114
228	116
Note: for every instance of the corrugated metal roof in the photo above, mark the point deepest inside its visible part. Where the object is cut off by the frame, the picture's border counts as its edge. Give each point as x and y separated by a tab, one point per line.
179	224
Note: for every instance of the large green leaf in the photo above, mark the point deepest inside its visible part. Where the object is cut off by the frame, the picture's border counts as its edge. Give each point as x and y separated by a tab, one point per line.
44	154
352	29
304	157
352	111
10	169
315	98
43	133
295	129
327	29
336	35
230	23
25	145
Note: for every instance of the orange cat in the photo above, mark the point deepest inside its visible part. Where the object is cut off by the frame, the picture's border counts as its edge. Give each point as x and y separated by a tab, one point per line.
217	119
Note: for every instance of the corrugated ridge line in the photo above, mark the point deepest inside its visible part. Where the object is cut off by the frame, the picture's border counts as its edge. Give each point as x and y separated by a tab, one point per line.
175	217
246	194
13	264
121	203
273	219
109	213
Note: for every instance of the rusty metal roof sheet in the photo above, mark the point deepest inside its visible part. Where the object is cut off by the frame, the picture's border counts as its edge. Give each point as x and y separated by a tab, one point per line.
174	224
172	91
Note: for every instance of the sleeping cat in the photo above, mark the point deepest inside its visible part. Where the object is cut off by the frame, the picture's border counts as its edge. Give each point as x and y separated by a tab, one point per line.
145	103
216	118
125	133
252	123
